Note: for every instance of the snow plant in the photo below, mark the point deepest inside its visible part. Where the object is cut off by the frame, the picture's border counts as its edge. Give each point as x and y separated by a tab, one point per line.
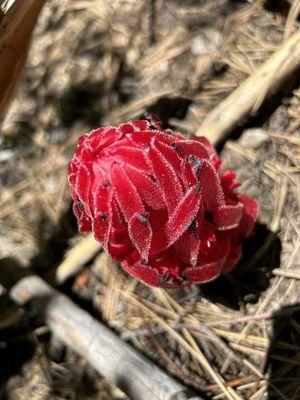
159	203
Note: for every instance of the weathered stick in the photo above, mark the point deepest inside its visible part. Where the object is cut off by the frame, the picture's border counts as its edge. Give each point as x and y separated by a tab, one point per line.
249	96
77	257
16	28
106	352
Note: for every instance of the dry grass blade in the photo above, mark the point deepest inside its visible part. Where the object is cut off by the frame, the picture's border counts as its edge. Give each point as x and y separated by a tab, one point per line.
293	274
137	106
292	17
15	33
279	205
194	350
286	138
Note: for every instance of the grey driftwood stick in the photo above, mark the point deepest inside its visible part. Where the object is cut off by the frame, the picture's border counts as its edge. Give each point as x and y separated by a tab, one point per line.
251	93
106	352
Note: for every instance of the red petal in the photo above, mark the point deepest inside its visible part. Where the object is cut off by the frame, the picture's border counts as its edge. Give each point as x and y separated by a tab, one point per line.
130	155
73	167
140	124
144	273
148	190
118	221
191	147
204	273
84	222
119	250
144	138
184	214
119	245
205	143
212	189
170	154
178	222
140	233
187	248
102	220
229	184
127	196
187	174
127	127
166	178
158	219
213	246
102	138
228	217
82	186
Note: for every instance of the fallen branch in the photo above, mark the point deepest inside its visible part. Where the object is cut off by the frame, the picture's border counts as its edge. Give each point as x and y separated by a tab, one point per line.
106	352
249	96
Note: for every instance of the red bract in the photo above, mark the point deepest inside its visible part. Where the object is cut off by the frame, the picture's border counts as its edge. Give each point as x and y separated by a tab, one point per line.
159	203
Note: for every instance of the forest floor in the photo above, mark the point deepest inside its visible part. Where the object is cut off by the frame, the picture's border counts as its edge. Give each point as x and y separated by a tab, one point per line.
93	63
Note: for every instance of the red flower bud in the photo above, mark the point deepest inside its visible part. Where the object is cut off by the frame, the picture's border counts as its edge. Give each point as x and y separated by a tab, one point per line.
159	203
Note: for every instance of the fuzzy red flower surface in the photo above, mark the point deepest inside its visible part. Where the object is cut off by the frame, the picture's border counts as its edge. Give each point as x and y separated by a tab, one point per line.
159	203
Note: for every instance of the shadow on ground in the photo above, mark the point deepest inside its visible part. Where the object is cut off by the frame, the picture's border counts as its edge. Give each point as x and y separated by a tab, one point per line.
283	361
16	342
251	276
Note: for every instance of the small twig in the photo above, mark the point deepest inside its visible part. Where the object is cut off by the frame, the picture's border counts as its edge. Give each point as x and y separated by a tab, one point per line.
164	355
77	257
293	273
247	318
232	383
152	22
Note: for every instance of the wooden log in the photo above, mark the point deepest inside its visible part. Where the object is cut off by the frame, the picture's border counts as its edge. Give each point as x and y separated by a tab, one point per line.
249	96
113	358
